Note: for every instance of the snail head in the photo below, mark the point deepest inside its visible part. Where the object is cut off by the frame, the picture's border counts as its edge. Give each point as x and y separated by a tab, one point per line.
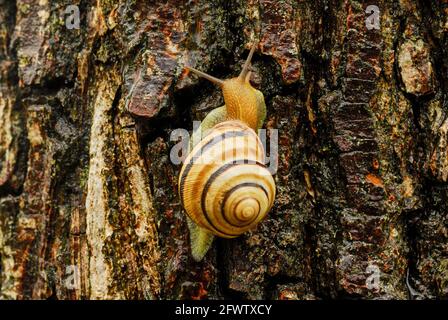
243	102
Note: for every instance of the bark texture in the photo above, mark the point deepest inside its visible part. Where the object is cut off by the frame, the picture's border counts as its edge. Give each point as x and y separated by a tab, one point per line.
88	195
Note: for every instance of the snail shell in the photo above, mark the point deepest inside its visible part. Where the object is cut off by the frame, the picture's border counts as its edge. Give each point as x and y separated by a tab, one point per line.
224	185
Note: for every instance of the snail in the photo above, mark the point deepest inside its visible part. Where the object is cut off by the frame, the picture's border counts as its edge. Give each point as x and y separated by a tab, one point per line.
224	186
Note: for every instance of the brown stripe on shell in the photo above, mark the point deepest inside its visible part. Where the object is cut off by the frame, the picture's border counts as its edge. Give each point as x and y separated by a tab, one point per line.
202	149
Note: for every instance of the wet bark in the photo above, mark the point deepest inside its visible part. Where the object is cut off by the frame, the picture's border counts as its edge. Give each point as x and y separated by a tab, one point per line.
88	194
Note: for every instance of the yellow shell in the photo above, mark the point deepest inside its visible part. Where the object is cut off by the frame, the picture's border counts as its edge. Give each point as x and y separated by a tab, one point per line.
224	185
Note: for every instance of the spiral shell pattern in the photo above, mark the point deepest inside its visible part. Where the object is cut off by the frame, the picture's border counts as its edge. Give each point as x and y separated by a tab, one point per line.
224	185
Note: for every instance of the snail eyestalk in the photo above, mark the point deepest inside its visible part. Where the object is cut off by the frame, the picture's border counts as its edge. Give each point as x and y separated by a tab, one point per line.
246	65
248	76
204	75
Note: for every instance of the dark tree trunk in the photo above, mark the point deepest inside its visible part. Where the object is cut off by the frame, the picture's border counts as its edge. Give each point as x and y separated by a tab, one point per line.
88	195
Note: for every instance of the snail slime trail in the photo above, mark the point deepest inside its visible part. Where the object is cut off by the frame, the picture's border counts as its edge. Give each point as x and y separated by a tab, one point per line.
224	185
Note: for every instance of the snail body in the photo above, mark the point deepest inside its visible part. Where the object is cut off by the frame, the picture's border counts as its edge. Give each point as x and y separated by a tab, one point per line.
224	185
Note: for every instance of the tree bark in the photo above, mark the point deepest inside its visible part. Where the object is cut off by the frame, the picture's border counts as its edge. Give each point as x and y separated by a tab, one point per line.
88	195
